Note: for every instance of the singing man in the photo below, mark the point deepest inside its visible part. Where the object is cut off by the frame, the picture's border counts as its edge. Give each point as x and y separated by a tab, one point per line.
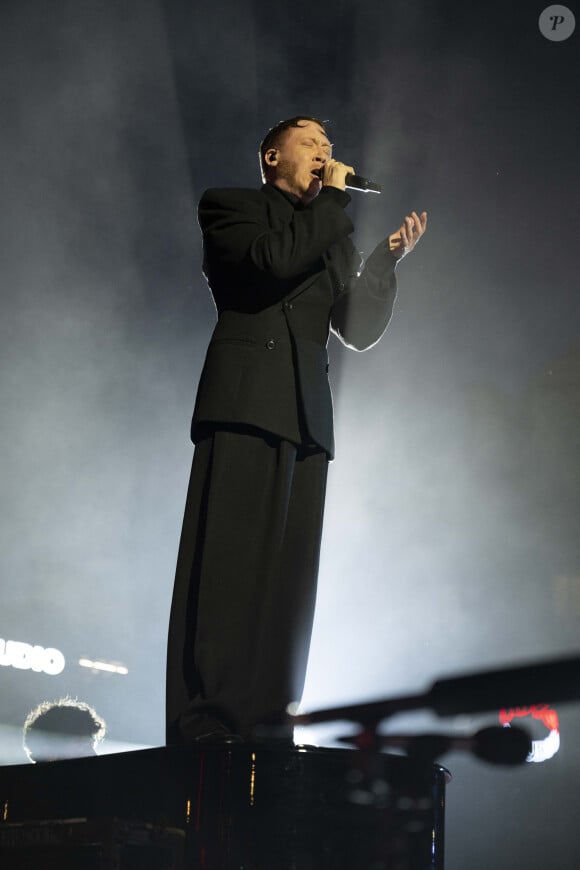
284	273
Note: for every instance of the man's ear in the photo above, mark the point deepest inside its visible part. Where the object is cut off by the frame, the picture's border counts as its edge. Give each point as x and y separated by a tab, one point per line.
271	157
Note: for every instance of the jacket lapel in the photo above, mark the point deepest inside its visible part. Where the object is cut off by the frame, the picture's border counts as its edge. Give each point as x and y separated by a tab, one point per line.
282	208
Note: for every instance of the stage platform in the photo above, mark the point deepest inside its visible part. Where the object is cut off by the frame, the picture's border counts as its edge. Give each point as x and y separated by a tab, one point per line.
215	807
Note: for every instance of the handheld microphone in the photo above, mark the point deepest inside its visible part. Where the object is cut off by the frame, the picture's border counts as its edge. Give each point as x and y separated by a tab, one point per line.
494	744
357	182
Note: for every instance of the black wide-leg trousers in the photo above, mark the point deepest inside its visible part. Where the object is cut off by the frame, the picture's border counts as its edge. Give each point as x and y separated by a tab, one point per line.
245	586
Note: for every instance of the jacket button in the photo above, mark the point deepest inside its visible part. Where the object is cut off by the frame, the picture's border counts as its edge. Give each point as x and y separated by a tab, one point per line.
271	344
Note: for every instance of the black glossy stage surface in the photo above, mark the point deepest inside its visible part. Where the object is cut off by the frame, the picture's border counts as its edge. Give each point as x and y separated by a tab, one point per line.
247	807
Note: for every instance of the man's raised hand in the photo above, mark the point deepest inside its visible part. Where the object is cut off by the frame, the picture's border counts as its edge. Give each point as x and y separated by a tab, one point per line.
407	236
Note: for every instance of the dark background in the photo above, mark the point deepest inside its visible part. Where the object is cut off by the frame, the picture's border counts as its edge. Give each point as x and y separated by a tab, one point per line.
451	533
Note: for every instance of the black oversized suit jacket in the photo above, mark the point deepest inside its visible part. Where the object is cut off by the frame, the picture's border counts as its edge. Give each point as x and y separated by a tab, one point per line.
282	276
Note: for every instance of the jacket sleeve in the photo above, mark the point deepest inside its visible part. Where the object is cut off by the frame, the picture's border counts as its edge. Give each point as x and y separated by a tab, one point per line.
363	308
237	233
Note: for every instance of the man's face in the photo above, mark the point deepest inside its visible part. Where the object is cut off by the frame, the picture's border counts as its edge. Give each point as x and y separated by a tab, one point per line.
298	160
